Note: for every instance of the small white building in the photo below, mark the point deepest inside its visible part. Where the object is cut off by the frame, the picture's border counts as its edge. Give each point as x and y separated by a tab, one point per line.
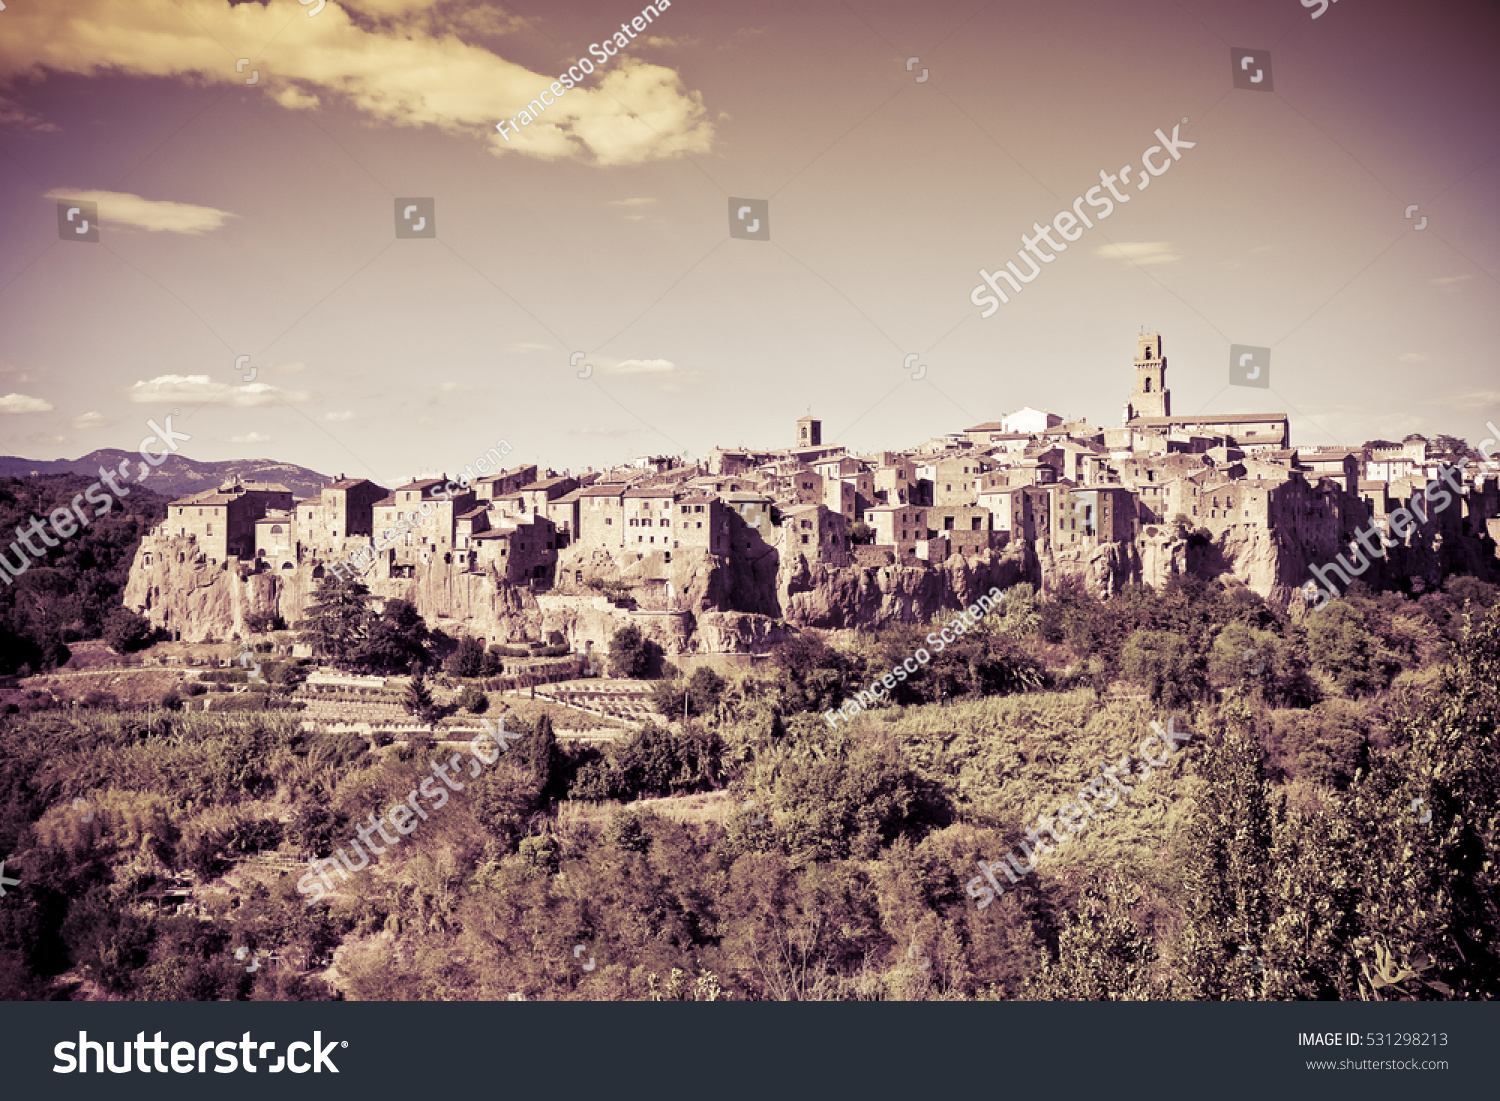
1029	421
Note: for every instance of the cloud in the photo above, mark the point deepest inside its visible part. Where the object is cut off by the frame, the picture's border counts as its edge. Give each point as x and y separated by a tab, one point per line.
120	208
455	388
1449	280
250	437
91	420
600	431
1140	252
1414	357
201	390
668	376
335	418
1482	399
15	117
20	403
644	367
634	205
398	63
528	346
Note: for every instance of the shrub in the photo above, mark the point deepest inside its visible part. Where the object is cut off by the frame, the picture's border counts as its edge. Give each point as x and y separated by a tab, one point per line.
473	700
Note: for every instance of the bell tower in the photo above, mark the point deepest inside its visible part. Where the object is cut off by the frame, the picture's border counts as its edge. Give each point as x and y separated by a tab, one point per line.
1150	398
809	431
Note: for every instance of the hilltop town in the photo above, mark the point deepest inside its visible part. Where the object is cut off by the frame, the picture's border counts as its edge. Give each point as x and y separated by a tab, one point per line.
728	554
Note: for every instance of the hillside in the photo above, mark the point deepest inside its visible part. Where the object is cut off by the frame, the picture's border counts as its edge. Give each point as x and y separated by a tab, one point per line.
178	475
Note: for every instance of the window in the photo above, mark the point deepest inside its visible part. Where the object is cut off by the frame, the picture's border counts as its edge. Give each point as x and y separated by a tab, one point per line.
666	523
698	508
686	509
640	538
609	520
700	523
947	523
633	521
804	539
948	487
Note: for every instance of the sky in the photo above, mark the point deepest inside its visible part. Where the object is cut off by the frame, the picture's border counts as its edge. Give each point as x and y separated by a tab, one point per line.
249	163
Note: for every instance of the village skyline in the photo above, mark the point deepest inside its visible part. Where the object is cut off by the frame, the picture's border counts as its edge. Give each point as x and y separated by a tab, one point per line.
583	290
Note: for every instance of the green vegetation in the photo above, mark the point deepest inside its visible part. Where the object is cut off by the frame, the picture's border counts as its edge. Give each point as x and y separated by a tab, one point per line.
344	630
754	852
74	590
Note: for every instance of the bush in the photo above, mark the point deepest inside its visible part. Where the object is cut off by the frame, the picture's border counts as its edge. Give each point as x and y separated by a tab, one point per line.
630	652
126	632
467	660
473	700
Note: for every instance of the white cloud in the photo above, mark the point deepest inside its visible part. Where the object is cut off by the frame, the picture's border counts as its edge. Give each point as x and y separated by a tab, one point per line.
1414	357
528	346
669	377
346	415
399	63
250	437
600	431
20	403
631	202
119	208
92	420
201	390
1141	252
455	388
644	367
1449	280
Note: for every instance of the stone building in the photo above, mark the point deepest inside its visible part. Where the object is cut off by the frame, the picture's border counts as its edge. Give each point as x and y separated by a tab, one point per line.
222	521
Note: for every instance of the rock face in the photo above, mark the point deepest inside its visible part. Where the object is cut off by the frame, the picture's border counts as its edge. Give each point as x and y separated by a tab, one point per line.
698	603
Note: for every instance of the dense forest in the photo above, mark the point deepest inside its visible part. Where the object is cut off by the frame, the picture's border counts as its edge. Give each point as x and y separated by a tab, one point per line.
73	592
1329	831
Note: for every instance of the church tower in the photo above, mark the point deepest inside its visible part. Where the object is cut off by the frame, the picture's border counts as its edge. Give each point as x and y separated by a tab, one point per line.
1150	398
809	432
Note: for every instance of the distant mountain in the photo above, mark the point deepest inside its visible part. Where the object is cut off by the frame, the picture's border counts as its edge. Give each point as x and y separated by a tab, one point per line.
178	476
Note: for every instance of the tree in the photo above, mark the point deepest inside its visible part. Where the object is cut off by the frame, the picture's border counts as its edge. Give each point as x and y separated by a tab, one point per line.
1164	664
629	652
127	632
418	697
473	700
1102	956
338	619
1348	651
539	753
260	622
396	640
467	660
1228	847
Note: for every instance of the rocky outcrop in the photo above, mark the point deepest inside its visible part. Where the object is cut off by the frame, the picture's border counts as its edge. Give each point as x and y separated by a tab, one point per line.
694	602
